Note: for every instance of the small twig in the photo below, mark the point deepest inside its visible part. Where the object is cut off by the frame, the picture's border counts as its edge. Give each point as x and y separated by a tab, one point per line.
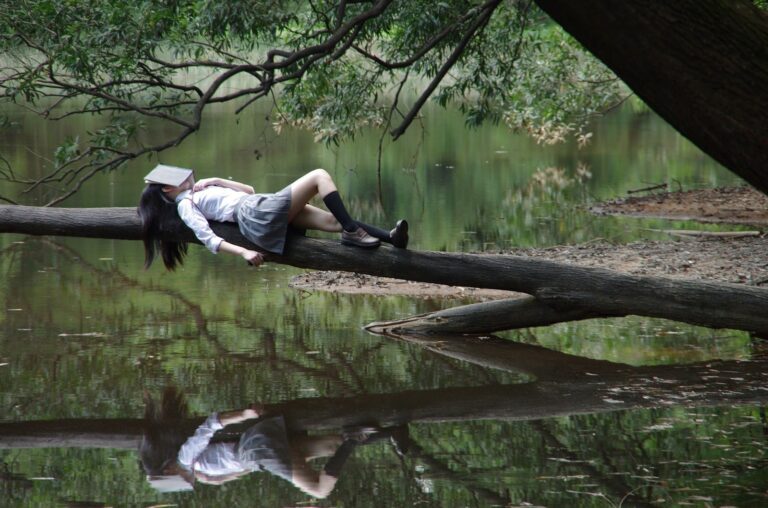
392	110
647	189
711	234
478	25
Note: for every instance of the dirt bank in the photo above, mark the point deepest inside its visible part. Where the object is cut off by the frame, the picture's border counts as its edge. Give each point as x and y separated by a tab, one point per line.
731	205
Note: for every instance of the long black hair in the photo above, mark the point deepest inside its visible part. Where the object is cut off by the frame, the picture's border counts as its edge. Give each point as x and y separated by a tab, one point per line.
158	217
164	430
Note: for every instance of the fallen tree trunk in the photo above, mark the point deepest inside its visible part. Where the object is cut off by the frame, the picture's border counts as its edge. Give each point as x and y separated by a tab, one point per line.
564	288
477	318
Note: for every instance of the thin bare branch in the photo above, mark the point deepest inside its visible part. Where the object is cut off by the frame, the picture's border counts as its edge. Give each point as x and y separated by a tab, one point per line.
194	64
292	57
479	23
121	102
422	51
392	110
117	161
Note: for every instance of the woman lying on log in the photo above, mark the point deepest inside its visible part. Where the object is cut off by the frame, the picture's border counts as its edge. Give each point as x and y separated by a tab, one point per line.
174	461
263	219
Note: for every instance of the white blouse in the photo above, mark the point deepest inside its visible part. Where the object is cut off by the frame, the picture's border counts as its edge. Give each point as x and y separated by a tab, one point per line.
212	203
217	459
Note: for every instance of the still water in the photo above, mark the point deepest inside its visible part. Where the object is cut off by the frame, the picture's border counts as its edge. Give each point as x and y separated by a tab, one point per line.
625	412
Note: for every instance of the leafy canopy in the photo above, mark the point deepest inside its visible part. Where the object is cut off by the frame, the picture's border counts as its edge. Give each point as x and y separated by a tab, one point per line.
331	66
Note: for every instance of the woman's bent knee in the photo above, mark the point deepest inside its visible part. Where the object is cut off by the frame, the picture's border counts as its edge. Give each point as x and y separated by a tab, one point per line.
321	173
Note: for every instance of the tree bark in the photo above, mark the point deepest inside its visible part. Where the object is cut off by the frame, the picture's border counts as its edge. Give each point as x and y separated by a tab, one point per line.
702	65
478	318
562	287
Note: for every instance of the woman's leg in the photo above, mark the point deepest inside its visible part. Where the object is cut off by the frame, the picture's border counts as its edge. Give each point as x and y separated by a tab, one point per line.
312	217
308	447
317	484
303	476
319	182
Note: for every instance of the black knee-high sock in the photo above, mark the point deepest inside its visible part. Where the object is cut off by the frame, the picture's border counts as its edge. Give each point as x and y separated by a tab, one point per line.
375	232
335	463
336	207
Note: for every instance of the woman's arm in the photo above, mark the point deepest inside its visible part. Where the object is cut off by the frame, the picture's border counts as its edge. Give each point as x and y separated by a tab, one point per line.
221	182
253	257
195	445
237	416
219	479
196	221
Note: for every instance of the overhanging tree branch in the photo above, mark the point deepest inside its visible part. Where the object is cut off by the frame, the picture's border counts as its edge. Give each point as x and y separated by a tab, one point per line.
698	44
422	51
333	47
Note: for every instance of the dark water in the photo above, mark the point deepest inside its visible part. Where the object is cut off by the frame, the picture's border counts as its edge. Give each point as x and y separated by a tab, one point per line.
625	412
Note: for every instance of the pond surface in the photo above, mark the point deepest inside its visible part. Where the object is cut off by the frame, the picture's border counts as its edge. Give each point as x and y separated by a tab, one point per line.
621	412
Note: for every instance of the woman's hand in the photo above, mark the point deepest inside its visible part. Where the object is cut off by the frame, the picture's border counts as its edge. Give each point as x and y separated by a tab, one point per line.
252	257
249	414
205	182
257	409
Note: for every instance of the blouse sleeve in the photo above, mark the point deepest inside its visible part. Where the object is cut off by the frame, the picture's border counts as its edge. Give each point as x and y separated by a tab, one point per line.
197	222
196	444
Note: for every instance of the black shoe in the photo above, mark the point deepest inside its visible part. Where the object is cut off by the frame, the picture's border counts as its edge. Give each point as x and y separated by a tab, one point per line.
399	234
359	238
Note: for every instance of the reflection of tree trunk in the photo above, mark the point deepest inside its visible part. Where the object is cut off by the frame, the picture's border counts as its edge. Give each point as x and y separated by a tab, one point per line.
566	386
496	353
565	288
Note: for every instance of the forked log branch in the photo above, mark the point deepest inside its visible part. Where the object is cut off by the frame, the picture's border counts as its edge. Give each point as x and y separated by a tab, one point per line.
479	318
564	288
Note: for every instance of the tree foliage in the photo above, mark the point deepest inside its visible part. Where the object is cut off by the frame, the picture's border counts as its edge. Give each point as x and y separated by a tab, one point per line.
332	66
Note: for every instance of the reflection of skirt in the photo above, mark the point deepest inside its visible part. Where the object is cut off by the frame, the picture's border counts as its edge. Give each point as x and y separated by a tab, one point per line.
263	219
264	446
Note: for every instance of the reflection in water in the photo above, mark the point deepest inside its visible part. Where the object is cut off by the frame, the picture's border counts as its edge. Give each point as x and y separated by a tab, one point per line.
174	460
580	430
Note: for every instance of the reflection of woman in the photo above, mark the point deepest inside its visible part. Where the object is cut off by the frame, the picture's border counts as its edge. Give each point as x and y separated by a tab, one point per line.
262	218
174	462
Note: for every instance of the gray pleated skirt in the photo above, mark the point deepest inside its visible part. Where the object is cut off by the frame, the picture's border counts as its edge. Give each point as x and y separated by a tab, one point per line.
263	219
264	447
